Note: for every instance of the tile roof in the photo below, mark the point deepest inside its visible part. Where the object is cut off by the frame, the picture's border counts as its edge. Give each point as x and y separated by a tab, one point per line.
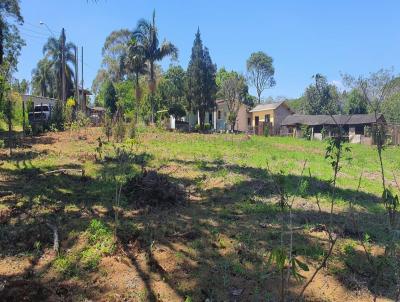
269	106
341	119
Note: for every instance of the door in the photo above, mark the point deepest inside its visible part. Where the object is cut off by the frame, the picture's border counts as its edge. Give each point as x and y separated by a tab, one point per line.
257	121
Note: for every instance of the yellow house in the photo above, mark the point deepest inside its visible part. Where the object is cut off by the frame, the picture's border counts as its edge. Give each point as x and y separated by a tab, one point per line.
270	115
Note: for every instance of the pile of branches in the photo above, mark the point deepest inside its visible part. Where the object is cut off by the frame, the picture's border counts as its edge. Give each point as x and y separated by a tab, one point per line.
153	189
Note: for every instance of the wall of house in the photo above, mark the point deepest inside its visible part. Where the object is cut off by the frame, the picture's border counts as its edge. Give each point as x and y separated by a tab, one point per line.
242	119
222	124
280	114
261	116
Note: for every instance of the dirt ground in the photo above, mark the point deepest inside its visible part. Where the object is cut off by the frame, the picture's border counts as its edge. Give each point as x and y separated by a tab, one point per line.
200	251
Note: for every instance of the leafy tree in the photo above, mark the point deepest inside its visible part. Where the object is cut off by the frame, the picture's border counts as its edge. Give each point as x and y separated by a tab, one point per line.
201	76
54	52
10	48
375	88
297	105
260	72
233	89
146	34
391	108
10	40
110	97
172	90
43	79
355	103
134	64
115	47
321	97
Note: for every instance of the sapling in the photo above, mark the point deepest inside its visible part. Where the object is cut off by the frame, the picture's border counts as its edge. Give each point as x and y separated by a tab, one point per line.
283	257
335	150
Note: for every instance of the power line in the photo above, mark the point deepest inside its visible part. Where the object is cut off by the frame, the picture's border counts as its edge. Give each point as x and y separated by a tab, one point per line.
33	31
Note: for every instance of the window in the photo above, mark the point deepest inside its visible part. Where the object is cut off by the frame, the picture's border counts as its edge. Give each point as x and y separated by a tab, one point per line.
219	114
210	118
248	121
359	129
267	118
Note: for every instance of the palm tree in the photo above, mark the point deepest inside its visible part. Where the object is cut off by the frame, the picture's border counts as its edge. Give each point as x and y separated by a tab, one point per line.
43	79
54	52
134	62
146	34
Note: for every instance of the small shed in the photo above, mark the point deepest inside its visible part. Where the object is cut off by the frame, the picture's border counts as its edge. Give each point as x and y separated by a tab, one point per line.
356	126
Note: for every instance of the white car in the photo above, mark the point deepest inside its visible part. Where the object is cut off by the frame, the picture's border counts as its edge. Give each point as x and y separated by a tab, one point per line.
41	114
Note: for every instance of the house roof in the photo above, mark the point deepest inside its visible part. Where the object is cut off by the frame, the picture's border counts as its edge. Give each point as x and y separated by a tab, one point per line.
26	97
269	106
340	119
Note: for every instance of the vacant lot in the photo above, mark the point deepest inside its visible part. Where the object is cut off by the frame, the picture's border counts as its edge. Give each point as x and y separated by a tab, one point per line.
214	244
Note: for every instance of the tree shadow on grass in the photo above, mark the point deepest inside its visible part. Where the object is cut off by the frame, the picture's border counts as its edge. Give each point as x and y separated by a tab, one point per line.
214	245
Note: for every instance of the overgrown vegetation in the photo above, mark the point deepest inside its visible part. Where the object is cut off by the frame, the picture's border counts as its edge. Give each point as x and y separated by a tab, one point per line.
238	214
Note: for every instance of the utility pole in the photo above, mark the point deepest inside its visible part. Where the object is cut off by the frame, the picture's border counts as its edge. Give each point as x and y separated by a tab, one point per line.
63	92
83	104
76	78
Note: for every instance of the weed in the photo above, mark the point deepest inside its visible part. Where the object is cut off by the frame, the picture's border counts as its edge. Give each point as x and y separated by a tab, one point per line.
66	265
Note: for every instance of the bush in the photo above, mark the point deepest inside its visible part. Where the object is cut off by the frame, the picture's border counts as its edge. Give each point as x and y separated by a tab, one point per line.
206	127
306	132
266	130
107	128
101	237
66	266
119	130
58	116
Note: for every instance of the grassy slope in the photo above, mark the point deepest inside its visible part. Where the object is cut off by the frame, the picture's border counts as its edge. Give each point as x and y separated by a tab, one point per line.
230	196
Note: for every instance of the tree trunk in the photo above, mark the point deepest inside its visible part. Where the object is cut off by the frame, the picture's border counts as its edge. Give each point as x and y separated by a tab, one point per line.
9	121
152	87
23	118
63	80
138	95
202	117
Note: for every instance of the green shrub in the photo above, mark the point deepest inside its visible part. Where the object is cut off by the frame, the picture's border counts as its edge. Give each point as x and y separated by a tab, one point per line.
306	132
90	258
266	130
65	266
119	130
101	237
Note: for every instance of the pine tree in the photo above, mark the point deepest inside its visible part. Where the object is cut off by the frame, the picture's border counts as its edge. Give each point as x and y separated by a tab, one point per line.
110	98
201	80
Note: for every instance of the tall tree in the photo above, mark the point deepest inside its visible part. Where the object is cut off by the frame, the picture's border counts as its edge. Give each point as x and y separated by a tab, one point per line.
134	63
375	88
116	47
43	80
391	108
355	103
233	90
110	97
201	75
10	40
321	97
146	34
260	72
61	55
10	48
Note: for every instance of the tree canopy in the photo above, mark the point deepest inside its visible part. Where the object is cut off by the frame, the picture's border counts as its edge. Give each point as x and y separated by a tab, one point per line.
321	97
10	39
201	74
260	72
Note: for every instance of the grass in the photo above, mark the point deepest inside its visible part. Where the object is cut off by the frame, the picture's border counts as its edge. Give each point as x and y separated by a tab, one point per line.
218	241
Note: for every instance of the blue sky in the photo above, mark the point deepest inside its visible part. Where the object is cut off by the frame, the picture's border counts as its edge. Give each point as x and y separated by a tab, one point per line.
303	37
